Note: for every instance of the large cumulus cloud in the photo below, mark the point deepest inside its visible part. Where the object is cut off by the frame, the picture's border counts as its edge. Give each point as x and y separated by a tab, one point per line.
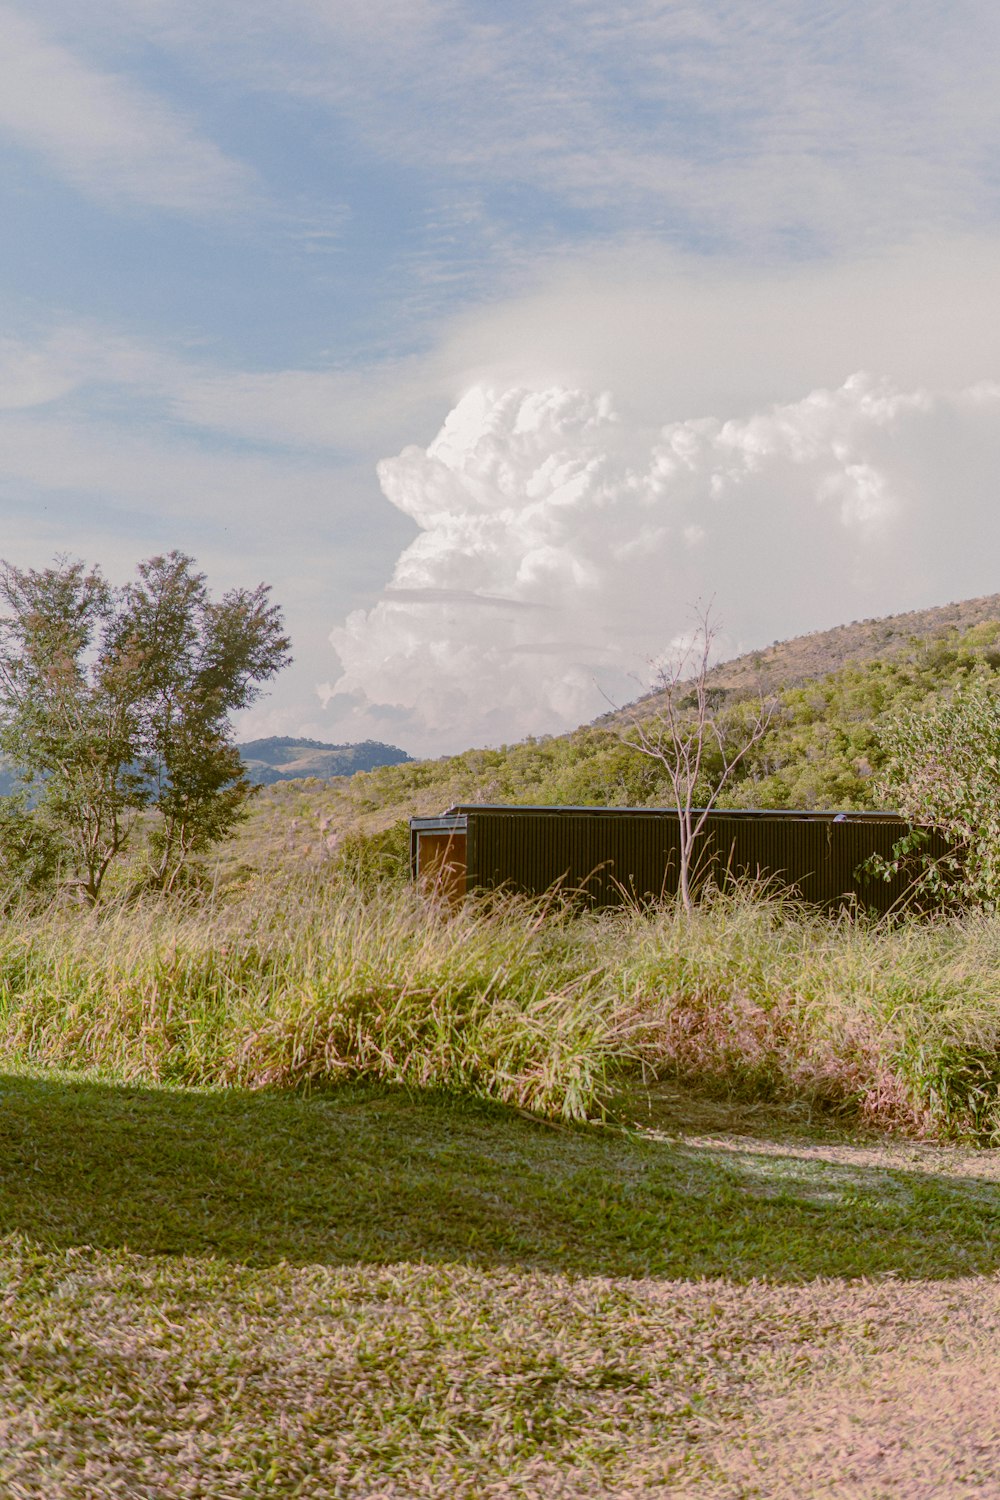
561	546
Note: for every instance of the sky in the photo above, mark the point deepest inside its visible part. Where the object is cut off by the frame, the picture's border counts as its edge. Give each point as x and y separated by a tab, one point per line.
499	340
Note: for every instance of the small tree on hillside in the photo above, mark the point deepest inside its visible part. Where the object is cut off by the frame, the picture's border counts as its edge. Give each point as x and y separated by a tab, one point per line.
697	742
115	703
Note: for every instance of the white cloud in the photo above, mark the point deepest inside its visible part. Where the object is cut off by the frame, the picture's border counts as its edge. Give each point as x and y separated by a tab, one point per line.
601	534
82	365
76	358
779	124
112	449
106	135
158	476
675	335
341	409
32	375
558	538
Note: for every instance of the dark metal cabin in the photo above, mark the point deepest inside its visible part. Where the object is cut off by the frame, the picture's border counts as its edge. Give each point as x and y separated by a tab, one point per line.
608	854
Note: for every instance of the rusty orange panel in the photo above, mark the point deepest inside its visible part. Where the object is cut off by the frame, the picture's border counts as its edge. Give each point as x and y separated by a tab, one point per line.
442	862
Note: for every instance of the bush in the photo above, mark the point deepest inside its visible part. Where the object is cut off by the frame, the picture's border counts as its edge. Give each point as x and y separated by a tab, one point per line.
371	860
942	769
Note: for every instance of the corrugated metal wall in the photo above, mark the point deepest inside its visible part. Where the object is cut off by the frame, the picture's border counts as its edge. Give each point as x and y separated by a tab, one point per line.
603	852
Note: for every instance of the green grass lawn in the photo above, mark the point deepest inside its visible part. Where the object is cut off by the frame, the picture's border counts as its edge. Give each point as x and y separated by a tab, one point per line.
370	1292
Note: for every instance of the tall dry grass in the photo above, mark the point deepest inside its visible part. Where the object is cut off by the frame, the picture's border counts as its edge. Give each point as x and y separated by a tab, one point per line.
310	980
897	1024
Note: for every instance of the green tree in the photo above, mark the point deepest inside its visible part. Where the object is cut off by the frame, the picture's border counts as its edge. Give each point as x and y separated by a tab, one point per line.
942	770
115	705
31	853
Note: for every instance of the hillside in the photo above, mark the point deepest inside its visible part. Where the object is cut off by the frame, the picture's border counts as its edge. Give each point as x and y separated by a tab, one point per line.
280	758
831	688
806	658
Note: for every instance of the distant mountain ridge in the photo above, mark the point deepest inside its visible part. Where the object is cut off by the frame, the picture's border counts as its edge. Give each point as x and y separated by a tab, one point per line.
286	758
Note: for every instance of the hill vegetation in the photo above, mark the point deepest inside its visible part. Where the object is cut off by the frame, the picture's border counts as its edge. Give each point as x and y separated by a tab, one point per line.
821	751
281	758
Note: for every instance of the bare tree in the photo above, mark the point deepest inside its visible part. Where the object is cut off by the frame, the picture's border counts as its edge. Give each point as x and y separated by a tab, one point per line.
698	741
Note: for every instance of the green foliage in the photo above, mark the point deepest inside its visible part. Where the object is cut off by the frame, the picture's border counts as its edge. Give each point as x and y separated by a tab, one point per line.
117	701
372	860
942	768
825	749
31	853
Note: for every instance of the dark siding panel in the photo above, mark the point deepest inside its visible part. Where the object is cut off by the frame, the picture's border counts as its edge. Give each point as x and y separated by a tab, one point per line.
609	856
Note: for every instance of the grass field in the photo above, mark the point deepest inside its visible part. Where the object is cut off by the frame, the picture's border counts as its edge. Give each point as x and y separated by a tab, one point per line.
373	1292
319	1192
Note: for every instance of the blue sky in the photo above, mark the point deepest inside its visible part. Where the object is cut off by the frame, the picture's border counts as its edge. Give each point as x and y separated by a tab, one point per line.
631	305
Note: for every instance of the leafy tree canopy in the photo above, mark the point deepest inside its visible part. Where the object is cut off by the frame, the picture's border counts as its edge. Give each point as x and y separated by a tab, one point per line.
115	703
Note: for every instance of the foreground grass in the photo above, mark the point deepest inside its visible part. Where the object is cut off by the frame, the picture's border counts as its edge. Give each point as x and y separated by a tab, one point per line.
310	981
370	1291
297	1198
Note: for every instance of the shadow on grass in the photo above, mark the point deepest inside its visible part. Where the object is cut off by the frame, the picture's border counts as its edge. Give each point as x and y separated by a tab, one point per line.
372	1176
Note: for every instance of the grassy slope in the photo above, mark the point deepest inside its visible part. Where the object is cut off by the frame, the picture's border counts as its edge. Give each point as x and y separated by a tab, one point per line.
369	1291
375	1293
832	687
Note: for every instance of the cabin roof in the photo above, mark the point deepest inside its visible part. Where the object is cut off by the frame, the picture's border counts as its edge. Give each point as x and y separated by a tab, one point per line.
462	810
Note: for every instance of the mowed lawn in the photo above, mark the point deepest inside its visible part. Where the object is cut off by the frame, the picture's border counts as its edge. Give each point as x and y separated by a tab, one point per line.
370	1292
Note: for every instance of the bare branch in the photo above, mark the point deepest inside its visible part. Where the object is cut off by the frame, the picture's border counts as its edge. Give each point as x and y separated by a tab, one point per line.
677	732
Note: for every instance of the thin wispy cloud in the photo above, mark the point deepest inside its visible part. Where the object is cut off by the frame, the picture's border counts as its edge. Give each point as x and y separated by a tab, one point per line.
97	373
154	475
103	134
785	129
788	121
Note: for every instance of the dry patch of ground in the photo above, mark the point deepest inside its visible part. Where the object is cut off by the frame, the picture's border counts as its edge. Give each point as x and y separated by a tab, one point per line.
917	1415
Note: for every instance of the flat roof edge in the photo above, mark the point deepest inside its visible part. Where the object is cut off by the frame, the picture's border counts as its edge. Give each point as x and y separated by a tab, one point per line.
440	822
828	815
